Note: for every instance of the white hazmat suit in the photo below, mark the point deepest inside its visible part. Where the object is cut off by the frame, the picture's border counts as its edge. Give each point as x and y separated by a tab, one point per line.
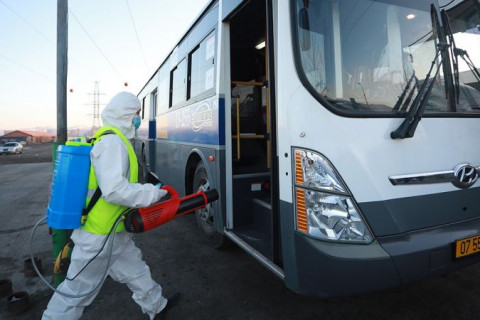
110	160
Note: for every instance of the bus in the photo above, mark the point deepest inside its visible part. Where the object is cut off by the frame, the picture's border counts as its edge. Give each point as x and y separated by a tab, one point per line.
343	137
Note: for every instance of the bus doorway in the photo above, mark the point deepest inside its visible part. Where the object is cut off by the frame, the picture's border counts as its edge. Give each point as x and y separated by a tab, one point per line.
252	218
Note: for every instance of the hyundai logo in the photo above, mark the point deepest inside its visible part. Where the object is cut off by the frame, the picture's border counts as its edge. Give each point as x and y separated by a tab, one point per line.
465	176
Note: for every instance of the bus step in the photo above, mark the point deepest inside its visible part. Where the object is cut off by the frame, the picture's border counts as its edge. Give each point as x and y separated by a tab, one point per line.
256	239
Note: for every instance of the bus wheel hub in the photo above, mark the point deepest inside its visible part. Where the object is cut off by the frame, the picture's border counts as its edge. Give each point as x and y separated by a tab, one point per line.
205	213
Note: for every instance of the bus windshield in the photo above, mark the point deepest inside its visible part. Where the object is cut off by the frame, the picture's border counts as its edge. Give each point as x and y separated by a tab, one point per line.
372	57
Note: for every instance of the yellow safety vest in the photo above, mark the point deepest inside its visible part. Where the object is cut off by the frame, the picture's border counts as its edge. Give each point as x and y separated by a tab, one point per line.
103	215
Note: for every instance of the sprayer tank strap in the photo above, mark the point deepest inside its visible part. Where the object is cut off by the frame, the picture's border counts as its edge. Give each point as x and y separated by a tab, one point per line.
98	193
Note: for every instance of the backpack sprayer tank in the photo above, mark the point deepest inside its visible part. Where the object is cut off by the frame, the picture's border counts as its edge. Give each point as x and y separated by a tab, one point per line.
69	185
144	219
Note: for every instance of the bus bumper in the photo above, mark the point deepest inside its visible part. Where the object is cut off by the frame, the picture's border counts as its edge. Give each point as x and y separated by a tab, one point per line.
429	252
329	269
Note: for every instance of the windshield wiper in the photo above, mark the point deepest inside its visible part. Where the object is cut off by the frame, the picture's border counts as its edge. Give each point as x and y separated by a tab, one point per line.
469	62
414	115
400	105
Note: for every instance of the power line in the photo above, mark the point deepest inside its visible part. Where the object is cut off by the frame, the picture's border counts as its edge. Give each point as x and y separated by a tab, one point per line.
93	41
25	67
136	33
28	23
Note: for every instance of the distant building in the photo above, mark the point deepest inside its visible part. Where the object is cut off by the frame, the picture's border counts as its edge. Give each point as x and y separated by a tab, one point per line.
28	136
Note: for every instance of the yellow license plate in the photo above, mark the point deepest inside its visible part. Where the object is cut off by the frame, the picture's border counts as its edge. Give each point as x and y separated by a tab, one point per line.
467	246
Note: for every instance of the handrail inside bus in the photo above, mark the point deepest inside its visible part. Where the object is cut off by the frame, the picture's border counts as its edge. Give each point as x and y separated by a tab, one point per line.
239	135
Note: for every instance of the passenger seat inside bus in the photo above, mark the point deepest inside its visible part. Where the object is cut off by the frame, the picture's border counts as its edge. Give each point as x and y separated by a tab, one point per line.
251	123
250	109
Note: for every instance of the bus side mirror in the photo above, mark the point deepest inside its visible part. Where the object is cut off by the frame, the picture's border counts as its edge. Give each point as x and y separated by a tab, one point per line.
304	31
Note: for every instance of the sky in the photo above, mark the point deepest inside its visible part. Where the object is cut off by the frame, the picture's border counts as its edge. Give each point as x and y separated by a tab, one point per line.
110	43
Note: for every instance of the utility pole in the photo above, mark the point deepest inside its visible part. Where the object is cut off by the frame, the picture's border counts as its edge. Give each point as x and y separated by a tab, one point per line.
61	237
62	66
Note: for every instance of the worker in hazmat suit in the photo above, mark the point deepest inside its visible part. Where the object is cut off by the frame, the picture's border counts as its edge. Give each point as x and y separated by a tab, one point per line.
114	170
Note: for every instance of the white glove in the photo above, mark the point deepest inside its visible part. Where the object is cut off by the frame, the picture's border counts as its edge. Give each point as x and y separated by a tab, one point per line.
161	193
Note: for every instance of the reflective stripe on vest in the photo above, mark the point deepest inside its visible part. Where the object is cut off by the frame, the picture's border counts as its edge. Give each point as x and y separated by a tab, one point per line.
103	215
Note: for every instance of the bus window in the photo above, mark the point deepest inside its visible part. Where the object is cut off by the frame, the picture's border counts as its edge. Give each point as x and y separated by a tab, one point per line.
143	103
162	93
178	87
202	67
153	104
147	101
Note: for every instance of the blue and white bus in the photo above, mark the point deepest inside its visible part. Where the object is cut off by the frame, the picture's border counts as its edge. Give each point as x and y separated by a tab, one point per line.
343	136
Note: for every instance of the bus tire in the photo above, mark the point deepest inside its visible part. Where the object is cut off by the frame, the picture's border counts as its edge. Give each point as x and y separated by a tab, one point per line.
204	216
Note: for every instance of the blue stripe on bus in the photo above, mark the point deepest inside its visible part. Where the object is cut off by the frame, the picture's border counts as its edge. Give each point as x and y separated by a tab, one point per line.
152	129
200	123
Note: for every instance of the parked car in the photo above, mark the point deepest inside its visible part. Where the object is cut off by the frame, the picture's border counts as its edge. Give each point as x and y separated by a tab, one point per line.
11	147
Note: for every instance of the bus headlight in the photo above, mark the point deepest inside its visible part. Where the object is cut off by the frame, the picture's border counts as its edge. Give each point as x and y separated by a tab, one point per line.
324	207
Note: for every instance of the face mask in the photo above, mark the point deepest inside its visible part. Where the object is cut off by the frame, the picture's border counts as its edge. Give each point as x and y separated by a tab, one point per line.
136	121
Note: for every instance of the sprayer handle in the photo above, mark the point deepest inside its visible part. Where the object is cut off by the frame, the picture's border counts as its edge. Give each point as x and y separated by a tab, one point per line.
170	190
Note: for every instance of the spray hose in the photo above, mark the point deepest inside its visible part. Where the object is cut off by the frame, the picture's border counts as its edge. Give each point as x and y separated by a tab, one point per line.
111	233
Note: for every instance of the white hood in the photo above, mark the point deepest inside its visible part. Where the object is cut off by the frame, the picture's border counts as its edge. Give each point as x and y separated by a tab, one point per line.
120	111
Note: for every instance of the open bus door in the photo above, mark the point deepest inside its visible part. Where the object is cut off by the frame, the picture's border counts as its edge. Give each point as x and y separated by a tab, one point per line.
253	221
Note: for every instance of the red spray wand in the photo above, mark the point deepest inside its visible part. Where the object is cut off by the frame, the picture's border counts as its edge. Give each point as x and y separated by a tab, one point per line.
144	219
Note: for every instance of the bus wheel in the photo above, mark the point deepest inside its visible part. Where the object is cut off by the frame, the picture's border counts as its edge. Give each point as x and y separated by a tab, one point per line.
205	216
